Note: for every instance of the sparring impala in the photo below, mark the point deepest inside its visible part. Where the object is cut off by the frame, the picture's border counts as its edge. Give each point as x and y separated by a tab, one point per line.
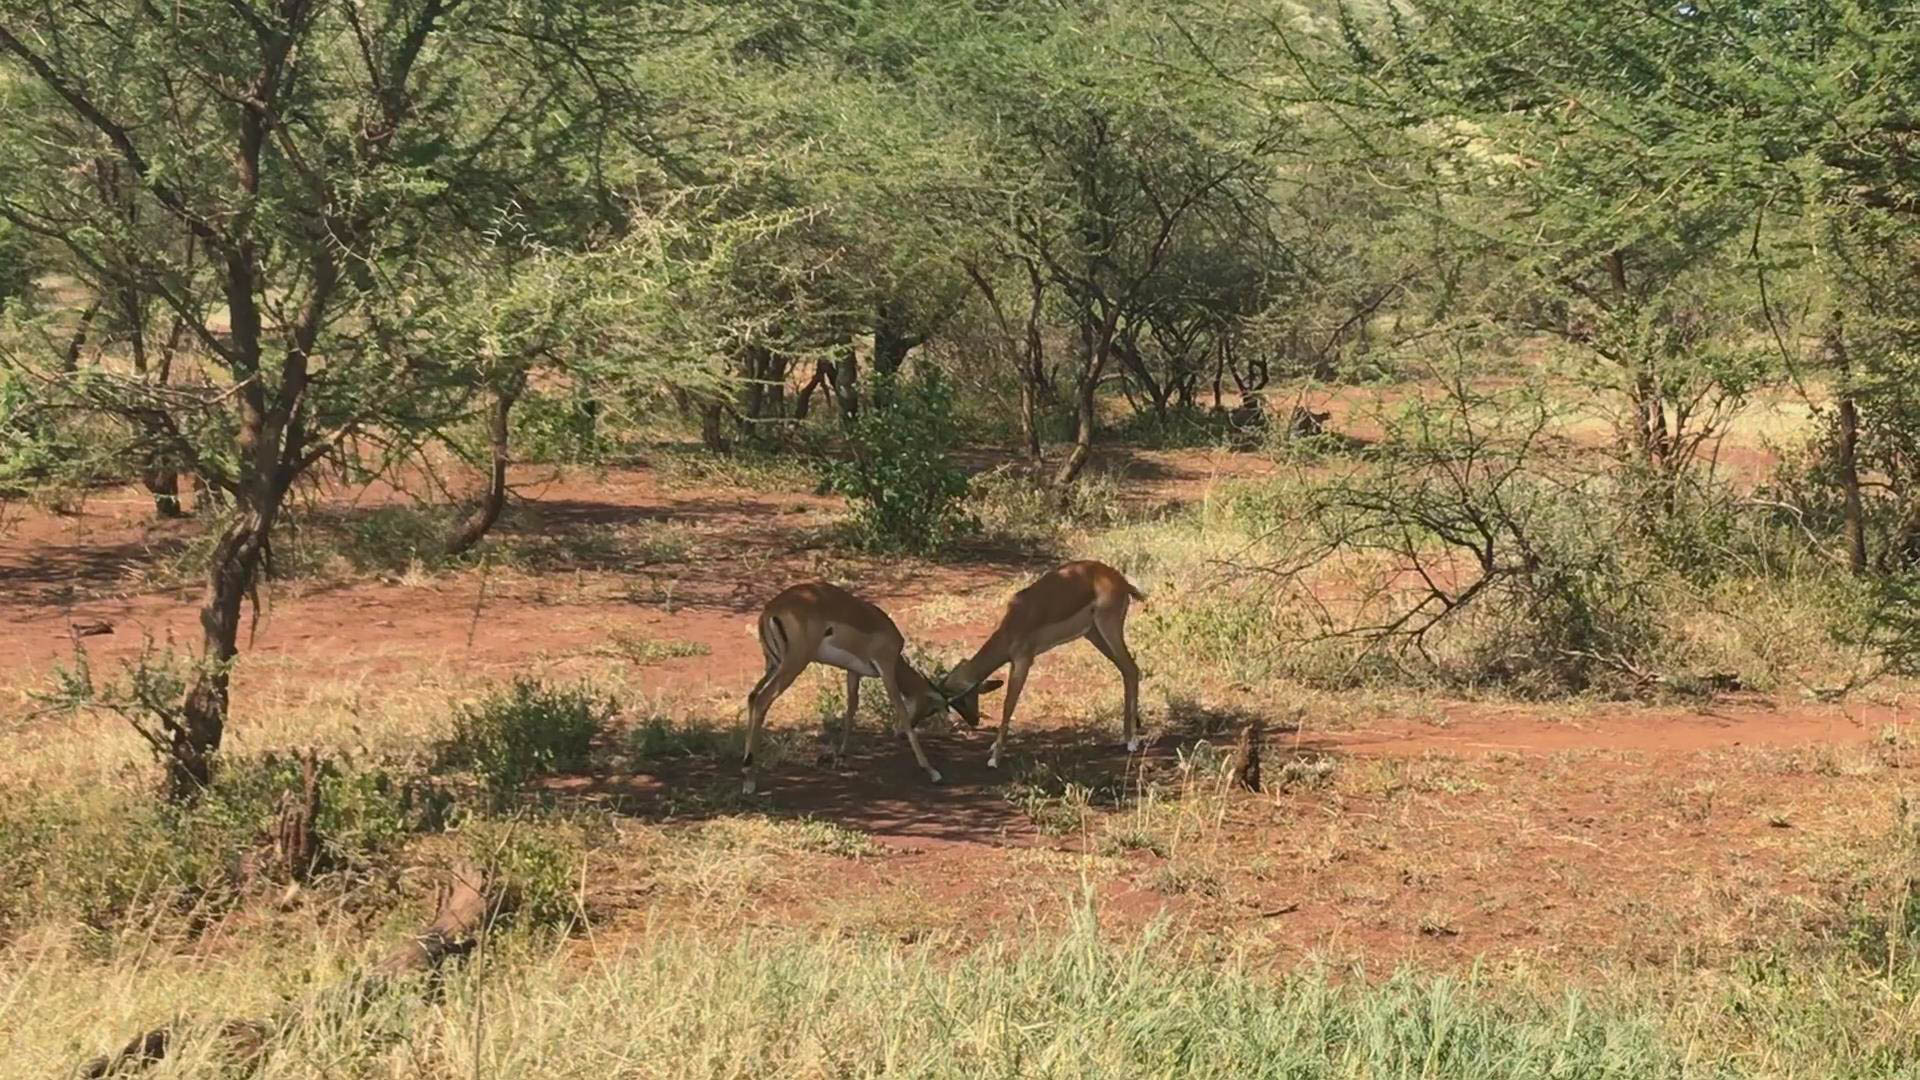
825	624
1080	599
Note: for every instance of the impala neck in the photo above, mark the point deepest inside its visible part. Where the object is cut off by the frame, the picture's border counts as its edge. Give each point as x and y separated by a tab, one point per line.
992	655
912	684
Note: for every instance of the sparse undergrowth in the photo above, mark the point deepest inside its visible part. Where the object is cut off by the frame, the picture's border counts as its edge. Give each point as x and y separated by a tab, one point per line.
510	736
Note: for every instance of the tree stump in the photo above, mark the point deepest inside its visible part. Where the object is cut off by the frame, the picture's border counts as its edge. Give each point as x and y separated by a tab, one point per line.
1246	756
293	834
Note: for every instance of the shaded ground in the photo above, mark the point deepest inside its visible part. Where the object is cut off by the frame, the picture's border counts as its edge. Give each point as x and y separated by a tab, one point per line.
1438	831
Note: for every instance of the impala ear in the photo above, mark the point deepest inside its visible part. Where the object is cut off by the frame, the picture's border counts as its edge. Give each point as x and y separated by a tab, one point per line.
991	685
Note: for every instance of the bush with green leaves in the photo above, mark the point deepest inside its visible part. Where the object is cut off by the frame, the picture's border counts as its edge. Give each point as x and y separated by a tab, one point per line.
907	492
1016	503
27	443
538	859
513	735
1476	554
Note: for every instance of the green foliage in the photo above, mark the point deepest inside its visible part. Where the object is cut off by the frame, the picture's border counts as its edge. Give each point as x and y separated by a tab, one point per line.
660	737
1477	556
17	268
906	490
559	428
29	446
540	861
384	538
513	735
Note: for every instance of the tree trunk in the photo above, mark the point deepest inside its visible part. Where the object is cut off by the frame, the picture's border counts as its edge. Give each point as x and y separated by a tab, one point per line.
846	382
1097	346
163	483
1219	366
803	402
752	395
589	406
1029	354
775	400
891	341
230	581
156	474
1083	418
495	499
70	363
1127	345
713	434
1854	515
752	387
1035	389
1029	422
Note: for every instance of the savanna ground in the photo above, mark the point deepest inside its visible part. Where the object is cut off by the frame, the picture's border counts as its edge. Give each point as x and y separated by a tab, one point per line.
1432	882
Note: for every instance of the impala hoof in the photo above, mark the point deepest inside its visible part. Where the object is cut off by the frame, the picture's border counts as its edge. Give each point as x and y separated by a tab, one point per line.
1133	746
933	775
746	787
993	761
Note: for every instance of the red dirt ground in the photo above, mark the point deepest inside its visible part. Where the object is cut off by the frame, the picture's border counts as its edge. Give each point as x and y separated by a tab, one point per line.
1458	830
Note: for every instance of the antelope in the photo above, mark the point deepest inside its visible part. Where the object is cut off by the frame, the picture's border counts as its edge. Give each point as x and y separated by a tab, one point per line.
824	624
1078	599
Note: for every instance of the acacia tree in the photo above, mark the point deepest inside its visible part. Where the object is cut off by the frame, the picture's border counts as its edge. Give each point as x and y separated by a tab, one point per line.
811	117
1103	156
1803	114
314	151
1572	200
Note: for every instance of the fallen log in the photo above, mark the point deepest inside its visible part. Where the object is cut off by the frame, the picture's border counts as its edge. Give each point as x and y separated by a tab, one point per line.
469	901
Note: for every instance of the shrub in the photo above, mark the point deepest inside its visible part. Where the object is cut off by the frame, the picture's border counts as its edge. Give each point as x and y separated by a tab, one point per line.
1018	504
658	737
1472	553
539	860
35	449
510	736
907	493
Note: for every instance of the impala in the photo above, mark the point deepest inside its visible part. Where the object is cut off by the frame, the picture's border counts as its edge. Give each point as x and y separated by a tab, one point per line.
1080	599
825	624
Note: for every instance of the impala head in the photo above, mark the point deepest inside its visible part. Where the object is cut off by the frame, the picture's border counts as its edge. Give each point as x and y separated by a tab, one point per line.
961	693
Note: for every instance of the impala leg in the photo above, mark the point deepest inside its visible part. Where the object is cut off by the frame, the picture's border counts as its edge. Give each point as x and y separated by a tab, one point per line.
1016	682
889	678
764	694
1109	636
853	706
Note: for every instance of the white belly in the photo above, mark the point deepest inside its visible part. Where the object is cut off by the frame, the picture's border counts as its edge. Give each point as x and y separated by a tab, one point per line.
846	661
1054	635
